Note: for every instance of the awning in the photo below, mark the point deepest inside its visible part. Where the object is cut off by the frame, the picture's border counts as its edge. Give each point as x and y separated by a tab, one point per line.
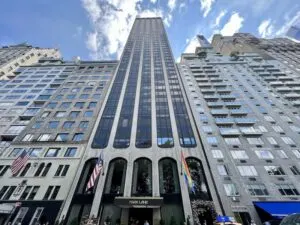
139	202
279	209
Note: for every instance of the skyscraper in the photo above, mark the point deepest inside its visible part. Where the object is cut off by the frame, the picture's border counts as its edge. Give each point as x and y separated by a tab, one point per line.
14	56
143	128
249	125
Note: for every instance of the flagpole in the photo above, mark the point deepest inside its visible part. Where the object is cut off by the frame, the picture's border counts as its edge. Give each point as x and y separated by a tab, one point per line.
103	163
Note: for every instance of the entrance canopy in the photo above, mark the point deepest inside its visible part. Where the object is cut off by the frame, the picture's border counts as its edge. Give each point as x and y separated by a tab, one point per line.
279	209
138	202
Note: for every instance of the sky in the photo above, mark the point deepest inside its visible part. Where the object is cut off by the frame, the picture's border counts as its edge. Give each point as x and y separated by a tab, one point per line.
98	29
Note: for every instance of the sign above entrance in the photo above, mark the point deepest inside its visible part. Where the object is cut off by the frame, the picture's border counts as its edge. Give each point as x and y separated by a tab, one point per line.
139	202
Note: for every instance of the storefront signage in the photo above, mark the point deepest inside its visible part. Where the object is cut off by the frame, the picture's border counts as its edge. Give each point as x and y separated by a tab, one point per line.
138	202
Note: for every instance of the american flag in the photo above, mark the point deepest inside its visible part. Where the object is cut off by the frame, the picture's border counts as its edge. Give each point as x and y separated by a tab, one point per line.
19	162
97	169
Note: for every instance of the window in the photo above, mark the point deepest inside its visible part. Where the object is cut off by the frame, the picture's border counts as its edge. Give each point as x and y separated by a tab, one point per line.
3	169
222	169
272	141
55	192
52	105
269	118
36	216
52	152
264	154
48	192
297	153
68	124
207	129
295	170
39	170
25	193
231	190
247	170
71	96
257	189
62	137
46	170
37	125
44	137
9	192
232	141
15	152
60	114
53	124
288	140
62	170
28	137
58	97
3	190
45	114
263	129
92	105
282	154
212	140
79	105
255	141
239	155
65	105
274	170
71	152
20	216
74	114
287	189
84	96
78	137
217	154
83	124
278	129
88	114
15	129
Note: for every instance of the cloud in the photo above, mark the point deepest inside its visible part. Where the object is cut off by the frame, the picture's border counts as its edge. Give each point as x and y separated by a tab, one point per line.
233	25
191	45
288	23
111	22
171	4
265	29
182	7
219	18
78	32
206	6
153	1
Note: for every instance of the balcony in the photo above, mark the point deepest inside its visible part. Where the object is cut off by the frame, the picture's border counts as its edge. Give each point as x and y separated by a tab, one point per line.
224	121
233	104
245	121
215	104
292	84
250	131
207	91
264	74
237	112
284	89
276	84
228	97
211	97
225	132
292	95
219	112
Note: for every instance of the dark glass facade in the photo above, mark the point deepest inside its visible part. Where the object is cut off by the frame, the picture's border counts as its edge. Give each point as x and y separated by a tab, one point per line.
147	59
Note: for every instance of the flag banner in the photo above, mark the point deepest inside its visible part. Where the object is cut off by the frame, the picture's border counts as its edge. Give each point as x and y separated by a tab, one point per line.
95	174
19	162
186	173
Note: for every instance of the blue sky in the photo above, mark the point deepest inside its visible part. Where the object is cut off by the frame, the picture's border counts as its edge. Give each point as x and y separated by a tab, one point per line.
98	29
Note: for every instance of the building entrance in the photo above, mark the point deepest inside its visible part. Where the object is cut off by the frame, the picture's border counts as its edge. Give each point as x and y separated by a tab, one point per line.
138	216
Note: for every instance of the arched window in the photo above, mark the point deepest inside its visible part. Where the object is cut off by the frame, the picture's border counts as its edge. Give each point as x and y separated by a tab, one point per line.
39	170
199	180
46	170
142	177
168	177
115	180
25	170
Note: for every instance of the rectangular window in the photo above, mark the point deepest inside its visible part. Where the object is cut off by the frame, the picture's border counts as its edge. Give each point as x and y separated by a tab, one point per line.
278	129
71	152
295	170
274	170
212	140
222	169
247	170
53	124
35	152
287	189
3	190
55	192
48	192
217	154
20	216
33	192
83	125
257	189
297	153
239	155
79	105
62	137
36	216
44	137
28	137
231	190
52	152
65	105
288	140
88	114
255	141
60	114
92	105
45	114
272	141
232	141
74	114
68	124
264	154
78	137
37	125
282	154
9	192
15	152
25	193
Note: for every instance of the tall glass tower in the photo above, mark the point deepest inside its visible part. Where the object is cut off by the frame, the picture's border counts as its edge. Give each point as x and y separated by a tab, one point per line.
143	130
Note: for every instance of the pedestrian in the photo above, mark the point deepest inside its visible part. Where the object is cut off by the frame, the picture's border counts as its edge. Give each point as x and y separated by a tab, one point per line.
146	222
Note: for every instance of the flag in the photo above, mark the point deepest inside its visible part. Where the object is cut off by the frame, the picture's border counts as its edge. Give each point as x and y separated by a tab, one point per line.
19	162
96	171
186	172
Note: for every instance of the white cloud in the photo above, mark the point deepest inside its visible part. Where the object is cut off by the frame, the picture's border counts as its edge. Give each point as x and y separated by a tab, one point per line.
289	22
233	25
182	6
153	1
111	23
219	18
172	4
265	29
191	46
206	6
